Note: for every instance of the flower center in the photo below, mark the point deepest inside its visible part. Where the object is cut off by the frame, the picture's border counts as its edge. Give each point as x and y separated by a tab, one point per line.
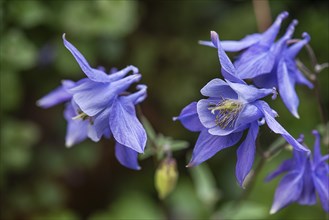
227	112
83	116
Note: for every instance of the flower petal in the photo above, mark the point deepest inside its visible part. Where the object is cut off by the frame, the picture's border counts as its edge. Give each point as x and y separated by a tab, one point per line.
286	84
100	125
92	73
307	196
139	96
249	113
206	117
189	118
285	166
218	88
317	147
246	154
250	93
321	183
288	191
294	49
228	70
93	97
277	128
76	129
57	96
125	127
270	34
208	145
233	46
255	61
126	156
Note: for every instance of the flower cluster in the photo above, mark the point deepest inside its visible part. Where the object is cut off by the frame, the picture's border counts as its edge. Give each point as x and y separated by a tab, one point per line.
100	106
305	175
271	63
233	107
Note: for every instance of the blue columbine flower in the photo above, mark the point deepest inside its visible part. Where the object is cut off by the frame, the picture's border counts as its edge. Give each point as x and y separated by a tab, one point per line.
99	106
269	63
232	107
285	75
305	175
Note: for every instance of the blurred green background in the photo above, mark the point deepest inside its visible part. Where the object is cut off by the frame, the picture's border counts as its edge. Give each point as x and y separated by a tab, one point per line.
41	179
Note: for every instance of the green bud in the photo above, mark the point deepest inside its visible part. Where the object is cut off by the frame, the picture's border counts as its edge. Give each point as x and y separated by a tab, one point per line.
166	177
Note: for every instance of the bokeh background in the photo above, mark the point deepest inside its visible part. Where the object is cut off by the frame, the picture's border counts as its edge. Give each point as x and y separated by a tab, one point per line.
41	179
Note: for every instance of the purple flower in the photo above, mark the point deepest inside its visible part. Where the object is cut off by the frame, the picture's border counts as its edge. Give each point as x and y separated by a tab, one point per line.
285	75
269	63
232	107
99	106
305	175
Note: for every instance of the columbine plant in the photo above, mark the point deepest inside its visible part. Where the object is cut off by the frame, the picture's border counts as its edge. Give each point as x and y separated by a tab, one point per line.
99	105
232	107
305	175
269	63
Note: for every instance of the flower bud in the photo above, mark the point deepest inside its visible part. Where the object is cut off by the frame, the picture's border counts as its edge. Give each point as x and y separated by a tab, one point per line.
166	177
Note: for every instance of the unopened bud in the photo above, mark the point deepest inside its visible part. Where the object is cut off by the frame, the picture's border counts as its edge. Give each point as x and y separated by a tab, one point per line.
166	177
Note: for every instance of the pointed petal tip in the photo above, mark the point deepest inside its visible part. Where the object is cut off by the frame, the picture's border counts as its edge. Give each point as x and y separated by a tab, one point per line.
283	15
306	36
315	132
189	165
174	118
273	211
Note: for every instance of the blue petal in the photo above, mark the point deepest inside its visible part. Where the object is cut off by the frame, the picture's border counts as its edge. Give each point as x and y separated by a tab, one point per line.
116	75
266	80
300	78
189	118
100	125
93	74
76	129
255	61
287	91
321	183
249	113
125	127
286	166
246	154
295	48
317	148
249	93
208	145
126	156
270	34
206	117
307	196
233	46
139	96
228	70
57	96
277	128
288	191
93	97
218	88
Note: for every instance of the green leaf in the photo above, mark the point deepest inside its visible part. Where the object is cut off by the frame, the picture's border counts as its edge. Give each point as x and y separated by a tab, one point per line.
176	145
205	185
246	210
148	128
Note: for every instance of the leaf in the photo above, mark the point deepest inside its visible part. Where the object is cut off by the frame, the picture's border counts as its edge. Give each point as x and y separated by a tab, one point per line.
205	185
246	210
